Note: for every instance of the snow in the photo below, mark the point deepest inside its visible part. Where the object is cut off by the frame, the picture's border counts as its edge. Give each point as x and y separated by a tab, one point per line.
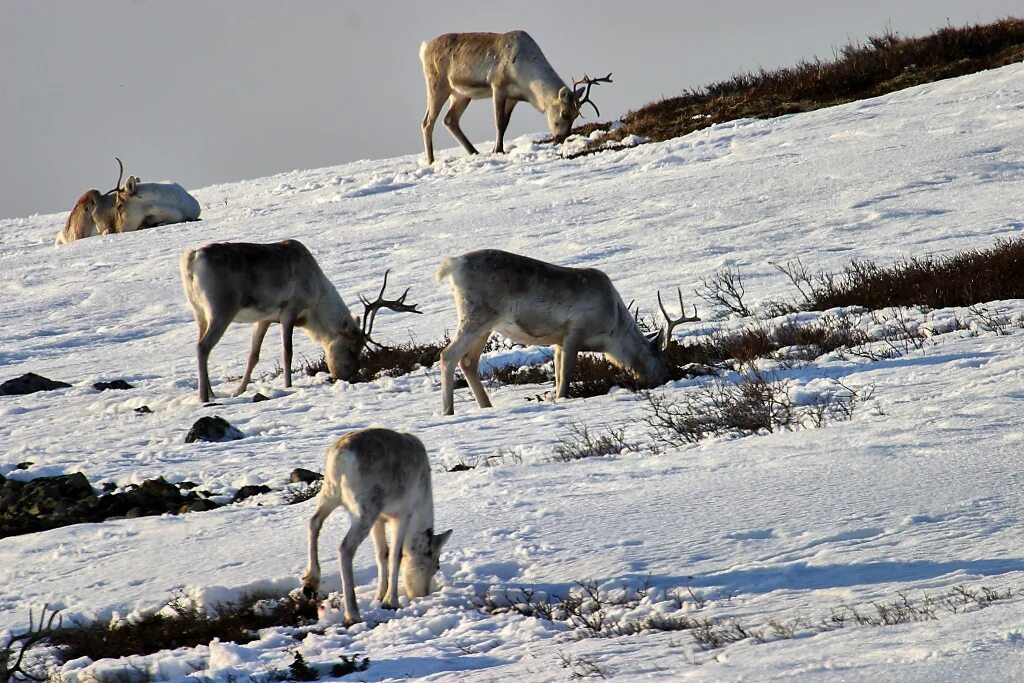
920	492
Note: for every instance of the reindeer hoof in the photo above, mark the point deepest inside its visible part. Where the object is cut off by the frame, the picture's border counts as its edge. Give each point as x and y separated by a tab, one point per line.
386	604
309	592
350	621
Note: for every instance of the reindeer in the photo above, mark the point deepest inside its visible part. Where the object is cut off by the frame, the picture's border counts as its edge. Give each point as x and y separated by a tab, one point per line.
141	205
508	67
382	478
93	214
533	302
265	283
127	208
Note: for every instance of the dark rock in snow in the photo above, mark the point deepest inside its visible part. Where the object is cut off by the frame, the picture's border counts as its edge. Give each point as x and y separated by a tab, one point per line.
213	428
300	475
51	502
258	397
143	410
24	465
250	491
119	384
29	383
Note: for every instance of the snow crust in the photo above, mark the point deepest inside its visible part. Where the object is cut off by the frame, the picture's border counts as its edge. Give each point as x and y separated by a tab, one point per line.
921	491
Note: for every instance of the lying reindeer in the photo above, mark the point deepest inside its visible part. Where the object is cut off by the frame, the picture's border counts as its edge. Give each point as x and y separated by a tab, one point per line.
508	67
132	207
383	479
533	302
266	283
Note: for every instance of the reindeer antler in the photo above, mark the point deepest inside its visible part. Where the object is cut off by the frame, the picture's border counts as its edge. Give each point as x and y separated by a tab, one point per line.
36	633
683	318
589	82
120	173
370	308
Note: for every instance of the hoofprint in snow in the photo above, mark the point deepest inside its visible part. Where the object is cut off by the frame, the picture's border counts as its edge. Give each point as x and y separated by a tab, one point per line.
920	492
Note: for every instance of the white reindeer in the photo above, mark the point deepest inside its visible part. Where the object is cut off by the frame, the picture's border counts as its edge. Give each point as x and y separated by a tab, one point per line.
508	67
266	283
382	477
141	205
533	302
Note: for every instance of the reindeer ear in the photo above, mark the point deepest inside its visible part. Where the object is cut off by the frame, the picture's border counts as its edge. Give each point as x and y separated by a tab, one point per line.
436	542
131	185
565	95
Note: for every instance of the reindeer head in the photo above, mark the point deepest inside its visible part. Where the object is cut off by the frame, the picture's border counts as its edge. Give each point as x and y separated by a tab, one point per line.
569	105
421	560
343	352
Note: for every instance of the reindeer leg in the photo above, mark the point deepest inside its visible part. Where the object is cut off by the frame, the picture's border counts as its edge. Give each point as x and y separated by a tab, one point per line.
287	327
357	533
311	577
215	329
400	526
558	367
451	121
259	331
502	113
570	347
380	547
435	101
470	365
452	355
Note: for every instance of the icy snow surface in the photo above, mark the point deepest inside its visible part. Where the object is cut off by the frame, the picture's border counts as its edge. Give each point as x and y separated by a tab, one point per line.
922	491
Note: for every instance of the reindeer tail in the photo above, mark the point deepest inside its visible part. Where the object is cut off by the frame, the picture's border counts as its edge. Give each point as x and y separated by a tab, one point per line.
444	270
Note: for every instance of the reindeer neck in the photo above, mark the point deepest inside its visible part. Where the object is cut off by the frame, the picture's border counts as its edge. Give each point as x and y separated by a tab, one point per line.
330	316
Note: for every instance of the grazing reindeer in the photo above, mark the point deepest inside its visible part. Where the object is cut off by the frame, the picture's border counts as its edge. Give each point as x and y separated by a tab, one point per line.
266	283
533	302
508	67
127	208
382	478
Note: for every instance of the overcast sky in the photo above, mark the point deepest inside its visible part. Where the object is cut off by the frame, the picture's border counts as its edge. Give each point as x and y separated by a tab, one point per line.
202	91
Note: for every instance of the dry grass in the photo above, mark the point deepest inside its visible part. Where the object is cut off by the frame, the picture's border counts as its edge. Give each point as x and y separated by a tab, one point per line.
881	65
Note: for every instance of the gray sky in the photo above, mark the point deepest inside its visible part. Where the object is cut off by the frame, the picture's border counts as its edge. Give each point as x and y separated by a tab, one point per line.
201	92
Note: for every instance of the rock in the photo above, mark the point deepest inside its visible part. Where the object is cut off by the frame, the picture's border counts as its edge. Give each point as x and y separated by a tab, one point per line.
257	397
460	467
29	383
119	384
24	465
198	505
250	491
303	476
213	428
51	502
108	486
187	485
143	410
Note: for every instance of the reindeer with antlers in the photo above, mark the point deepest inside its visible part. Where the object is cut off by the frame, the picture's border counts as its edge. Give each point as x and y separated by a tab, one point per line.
508	67
533	302
241	282
13	666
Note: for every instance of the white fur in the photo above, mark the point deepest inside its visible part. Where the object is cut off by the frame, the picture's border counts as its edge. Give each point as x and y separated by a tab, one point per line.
508	67
265	283
533	302
382	478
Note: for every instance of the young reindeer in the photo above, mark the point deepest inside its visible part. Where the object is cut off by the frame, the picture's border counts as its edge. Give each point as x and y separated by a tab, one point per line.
509	67
266	283
533	302
382	478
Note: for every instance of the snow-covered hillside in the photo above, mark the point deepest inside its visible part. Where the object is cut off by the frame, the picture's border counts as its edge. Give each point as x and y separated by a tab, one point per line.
920	492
